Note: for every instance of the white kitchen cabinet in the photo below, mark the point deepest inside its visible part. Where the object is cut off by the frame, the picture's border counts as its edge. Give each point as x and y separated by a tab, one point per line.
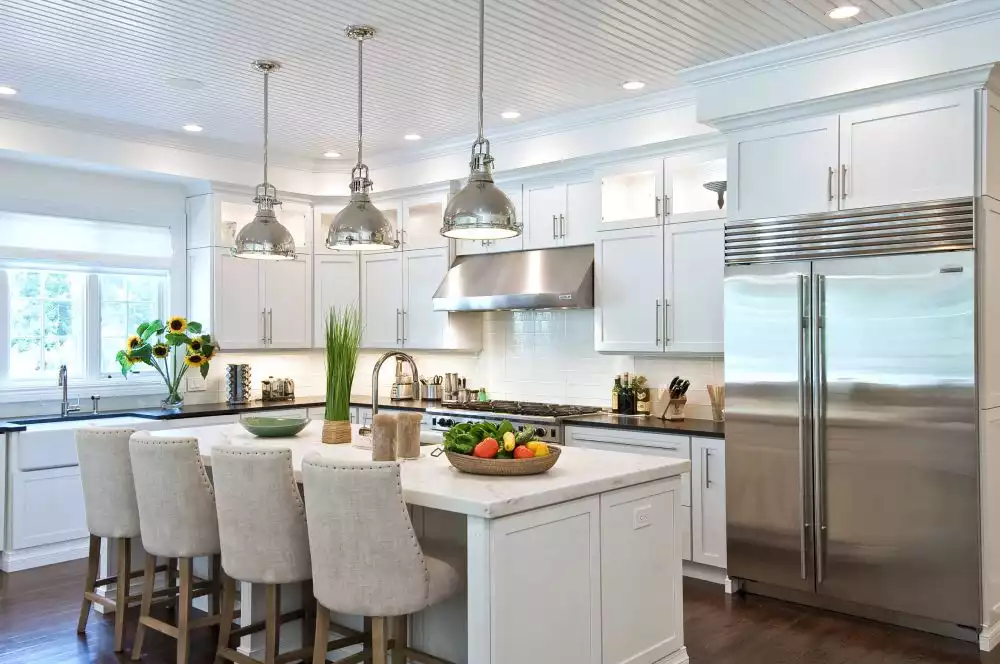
214	219
46	507
249	304
561	214
323	216
397	290
708	513
628	285
464	247
693	275
915	150
659	288
783	169
336	285
422	220
382	299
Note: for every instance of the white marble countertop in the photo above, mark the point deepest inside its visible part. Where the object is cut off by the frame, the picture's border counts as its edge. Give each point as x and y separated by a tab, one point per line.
432	482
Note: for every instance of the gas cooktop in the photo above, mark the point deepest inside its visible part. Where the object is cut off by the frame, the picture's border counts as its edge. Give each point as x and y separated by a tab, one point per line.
522	408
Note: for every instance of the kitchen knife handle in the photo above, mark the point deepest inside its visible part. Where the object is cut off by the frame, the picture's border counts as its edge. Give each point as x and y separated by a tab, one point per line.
657	322
829	183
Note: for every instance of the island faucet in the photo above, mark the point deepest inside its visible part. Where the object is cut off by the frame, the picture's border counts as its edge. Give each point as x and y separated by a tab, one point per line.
65	408
378	367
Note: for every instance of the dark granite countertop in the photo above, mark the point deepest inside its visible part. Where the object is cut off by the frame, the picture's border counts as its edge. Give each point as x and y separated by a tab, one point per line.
211	409
691	427
7	427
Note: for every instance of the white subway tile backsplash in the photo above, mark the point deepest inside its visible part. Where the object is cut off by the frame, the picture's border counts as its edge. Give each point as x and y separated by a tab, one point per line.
527	355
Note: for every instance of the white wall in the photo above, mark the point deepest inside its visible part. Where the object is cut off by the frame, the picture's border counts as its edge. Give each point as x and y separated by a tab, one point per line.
527	355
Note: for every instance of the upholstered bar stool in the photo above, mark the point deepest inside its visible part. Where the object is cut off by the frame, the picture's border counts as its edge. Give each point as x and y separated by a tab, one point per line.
365	555
177	520
262	530
112	513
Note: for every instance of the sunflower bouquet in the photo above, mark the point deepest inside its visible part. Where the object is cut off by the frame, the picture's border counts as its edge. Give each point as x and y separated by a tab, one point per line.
160	344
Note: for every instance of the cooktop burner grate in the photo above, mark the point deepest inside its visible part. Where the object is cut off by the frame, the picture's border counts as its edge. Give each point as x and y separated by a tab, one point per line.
527	408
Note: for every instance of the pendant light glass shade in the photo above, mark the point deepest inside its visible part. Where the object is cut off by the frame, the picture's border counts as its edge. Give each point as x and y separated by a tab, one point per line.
361	226
265	237
480	210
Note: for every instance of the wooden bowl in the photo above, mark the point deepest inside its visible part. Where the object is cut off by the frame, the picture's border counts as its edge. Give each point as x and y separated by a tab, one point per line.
504	467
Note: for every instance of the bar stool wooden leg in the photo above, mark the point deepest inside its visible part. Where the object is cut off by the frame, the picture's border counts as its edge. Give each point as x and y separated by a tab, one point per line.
172	581
226	623
217	584
322	633
379	644
148	581
309	619
122	590
184	613
400	636
93	562
272	600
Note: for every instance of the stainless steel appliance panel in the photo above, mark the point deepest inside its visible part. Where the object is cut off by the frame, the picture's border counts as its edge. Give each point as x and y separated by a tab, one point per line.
895	441
768	439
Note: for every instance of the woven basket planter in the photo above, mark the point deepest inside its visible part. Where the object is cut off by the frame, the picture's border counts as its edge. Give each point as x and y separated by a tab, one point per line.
504	467
336	432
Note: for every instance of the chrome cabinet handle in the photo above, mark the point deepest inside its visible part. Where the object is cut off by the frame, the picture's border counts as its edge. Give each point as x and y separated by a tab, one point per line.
829	183
843	181
555	221
666	320
657	214
263	325
819	406
657	322
666	206
405	314
270	326
708	482
562	226
398	336
804	415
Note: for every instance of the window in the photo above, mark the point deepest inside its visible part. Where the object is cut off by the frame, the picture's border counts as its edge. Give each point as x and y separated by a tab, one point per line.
73	317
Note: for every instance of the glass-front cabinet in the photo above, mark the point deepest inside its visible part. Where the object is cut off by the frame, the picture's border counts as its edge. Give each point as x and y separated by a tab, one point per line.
296	217
632	195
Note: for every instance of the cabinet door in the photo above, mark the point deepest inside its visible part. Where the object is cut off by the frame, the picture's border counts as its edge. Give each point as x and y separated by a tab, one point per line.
628	295
516	197
337	284
917	150
46	507
298	219
784	169
543	205
423	271
382	299
708	514
632	195
422	219
239	312
582	217
323	219
694	264
288	300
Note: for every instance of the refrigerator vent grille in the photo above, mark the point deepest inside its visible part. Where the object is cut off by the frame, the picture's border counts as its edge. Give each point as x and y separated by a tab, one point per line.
924	227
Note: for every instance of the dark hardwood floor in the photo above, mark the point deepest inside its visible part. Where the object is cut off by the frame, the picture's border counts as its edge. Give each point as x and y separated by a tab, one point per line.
39	609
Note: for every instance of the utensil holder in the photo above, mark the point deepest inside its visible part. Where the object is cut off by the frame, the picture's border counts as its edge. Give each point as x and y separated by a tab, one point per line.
336	432
675	409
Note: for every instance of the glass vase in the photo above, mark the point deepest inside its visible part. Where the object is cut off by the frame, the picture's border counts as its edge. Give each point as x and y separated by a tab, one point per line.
173	401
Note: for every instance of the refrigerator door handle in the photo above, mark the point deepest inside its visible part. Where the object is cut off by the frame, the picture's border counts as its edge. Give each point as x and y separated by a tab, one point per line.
819	406
804	430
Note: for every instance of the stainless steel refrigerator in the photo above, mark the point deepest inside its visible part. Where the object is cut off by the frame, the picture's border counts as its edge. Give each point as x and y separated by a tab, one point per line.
852	455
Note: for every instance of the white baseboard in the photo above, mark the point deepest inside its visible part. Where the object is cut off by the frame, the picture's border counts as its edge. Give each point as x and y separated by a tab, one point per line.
989	638
677	657
47	554
704	572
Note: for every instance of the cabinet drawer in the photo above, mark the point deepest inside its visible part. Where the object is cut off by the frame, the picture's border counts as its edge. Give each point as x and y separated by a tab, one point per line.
46	507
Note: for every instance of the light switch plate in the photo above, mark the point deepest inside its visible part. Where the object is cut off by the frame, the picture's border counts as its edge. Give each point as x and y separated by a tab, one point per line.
195	384
642	517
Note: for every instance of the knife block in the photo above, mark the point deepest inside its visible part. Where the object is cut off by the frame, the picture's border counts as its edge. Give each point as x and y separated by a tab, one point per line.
675	409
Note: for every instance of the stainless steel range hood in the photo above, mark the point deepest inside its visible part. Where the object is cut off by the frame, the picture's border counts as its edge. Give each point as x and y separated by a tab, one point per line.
560	278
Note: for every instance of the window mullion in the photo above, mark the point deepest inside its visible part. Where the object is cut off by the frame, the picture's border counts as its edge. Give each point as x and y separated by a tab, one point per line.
92	329
5	314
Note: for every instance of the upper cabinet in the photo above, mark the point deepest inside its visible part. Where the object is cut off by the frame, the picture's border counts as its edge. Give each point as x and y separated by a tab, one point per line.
323	216
917	150
215	219
336	284
463	247
561	214
657	191
422	220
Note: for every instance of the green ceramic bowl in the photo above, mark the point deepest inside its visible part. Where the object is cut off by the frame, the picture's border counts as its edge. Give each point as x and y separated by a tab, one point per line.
274	427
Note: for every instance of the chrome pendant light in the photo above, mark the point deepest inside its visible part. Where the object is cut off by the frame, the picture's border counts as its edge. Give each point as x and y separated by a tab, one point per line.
360	226
480	211
265	237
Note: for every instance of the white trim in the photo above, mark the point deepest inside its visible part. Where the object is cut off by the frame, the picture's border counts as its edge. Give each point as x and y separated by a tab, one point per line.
136	386
989	637
863	37
679	656
704	572
47	554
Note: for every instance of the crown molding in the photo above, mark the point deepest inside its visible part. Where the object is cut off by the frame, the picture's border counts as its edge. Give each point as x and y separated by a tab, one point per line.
863	37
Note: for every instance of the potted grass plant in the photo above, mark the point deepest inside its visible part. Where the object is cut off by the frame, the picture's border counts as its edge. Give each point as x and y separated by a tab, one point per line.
343	339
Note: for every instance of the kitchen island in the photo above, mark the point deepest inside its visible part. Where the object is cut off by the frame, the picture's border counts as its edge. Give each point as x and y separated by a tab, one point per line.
580	564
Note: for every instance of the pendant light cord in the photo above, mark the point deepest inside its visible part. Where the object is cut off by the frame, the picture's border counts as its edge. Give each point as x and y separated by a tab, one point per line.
360	96
266	75
482	31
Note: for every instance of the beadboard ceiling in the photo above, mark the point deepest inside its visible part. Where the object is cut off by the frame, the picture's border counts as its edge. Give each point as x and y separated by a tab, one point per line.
112	66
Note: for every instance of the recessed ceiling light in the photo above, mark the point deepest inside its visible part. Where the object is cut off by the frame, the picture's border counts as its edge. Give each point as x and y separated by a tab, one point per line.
633	85
7	90
844	12
181	83
331	154
412	137
192	128
510	115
